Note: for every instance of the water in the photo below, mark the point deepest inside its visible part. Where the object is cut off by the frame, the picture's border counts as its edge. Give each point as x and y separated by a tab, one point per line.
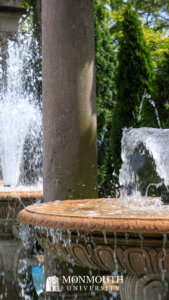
146	96
21	156
156	279
21	271
18	120
135	143
20	117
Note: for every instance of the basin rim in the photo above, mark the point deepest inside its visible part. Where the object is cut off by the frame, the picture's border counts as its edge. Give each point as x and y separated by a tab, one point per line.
114	223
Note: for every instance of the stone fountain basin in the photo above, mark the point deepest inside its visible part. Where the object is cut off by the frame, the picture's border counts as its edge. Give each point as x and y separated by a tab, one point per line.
12	200
104	234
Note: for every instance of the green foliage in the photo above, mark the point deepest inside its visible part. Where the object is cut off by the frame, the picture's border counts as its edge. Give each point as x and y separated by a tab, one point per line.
154	16
148	114
25	4
154	13
105	89
158	43
160	92
134	78
159	97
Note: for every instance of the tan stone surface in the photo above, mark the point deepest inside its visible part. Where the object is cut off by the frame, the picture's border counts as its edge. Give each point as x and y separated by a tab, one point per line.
98	215
134	254
12	200
15	193
101	242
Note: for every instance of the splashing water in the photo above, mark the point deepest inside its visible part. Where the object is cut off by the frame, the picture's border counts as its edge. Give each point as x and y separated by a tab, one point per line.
17	119
20	115
146	96
155	142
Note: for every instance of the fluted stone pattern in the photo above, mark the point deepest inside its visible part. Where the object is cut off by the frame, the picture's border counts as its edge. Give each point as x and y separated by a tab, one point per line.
150	287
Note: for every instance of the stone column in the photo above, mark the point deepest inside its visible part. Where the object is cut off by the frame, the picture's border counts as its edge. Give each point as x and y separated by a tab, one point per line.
69	100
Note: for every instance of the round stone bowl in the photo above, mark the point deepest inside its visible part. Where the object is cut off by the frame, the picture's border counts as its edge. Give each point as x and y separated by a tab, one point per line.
105	234
12	200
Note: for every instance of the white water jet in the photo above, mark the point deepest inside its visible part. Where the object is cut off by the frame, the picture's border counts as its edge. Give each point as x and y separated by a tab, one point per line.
155	142
20	113
18	118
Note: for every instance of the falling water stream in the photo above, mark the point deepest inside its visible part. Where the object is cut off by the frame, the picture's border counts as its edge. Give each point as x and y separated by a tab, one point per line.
20	161
20	115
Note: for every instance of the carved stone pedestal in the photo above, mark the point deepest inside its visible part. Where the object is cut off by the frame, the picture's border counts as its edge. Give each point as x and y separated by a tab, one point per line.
145	287
103	234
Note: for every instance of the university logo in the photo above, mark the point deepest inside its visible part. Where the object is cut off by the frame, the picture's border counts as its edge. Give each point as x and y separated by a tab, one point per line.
83	283
52	284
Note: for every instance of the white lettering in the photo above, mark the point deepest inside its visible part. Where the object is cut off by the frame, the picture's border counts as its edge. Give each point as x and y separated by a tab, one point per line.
74	279
81	279
98	279
119	279
68	280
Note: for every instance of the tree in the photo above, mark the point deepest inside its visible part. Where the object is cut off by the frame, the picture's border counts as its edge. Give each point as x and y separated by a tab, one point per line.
154	16
160	92
105	89
155	13
133	81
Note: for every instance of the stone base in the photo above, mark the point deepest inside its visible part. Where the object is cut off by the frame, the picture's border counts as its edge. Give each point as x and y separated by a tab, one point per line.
11	202
149	287
139	255
103	234
8	248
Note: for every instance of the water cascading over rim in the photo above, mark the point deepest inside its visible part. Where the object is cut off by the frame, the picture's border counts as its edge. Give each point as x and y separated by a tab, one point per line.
127	235
144	160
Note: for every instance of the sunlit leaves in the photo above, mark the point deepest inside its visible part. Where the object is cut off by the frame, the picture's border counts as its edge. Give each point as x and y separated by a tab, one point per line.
154	16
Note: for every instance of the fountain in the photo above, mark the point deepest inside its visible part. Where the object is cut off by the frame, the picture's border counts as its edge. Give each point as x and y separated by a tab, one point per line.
126	235
145	160
20	129
110	235
20	145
